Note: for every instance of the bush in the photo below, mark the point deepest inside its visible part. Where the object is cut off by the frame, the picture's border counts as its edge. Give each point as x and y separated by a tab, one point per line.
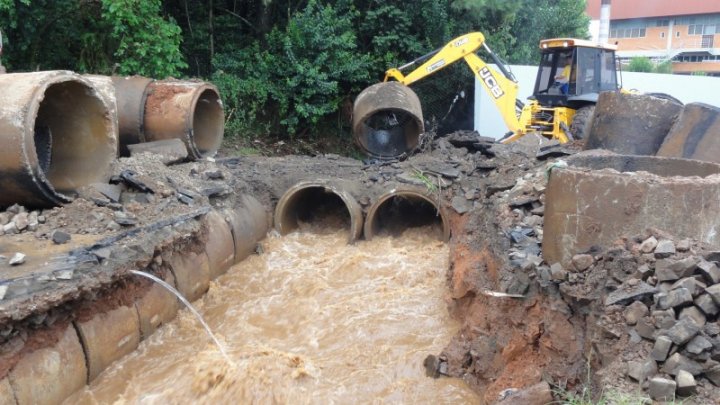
640	64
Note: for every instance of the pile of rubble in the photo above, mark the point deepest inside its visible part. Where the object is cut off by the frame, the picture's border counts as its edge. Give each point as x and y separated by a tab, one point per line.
665	292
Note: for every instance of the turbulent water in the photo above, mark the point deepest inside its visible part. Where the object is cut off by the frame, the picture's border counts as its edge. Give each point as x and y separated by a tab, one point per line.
311	320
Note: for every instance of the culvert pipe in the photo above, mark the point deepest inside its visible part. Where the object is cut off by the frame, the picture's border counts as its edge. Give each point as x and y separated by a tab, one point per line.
106	88
310	201
189	111
248	223
58	135
400	209
131	94
601	197
387	120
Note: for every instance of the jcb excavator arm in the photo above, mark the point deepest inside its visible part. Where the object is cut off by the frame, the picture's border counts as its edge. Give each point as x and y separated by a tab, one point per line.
503	88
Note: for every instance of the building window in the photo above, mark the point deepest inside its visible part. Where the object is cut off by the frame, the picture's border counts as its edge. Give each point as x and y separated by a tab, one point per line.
677	34
662	23
628	33
662	35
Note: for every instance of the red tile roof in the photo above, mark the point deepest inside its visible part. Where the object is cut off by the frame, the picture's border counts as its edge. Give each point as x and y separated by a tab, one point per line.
624	9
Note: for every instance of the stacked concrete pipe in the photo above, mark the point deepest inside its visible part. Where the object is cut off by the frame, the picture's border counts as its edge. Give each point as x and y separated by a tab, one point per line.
155	110
131	94
92	341
58	135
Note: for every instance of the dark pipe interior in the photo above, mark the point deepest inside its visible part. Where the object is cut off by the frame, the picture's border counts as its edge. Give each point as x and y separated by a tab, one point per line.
400	212
72	136
389	133
316	208
208	122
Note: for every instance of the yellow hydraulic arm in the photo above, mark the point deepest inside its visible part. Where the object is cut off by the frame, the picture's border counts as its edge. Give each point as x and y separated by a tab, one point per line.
502	88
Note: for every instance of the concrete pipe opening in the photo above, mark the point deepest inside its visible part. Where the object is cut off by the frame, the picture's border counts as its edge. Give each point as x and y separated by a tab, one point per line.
398	210
387	120
58	134
318	207
190	111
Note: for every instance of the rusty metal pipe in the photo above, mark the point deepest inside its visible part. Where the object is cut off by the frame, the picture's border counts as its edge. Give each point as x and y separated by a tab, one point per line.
387	120
131	95
304	200
58	135
190	111
400	209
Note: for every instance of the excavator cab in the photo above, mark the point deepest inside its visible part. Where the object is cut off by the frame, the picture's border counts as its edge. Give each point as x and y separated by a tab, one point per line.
573	72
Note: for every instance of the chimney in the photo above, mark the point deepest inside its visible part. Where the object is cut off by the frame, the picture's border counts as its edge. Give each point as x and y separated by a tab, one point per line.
604	21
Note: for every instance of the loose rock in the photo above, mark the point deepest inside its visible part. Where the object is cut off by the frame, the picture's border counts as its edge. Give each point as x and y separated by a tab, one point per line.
661	349
664	248
662	389
60	237
686	384
683	331
635	311
17	259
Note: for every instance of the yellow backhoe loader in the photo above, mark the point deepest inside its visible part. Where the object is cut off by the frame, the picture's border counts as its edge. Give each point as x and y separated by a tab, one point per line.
571	75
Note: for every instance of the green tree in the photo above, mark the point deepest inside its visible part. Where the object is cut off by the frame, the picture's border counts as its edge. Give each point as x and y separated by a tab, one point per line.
543	19
147	44
308	68
640	64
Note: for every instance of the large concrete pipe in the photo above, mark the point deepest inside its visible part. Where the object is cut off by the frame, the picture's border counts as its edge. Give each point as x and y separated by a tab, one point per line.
309	201
695	135
58	135
190	111
399	209
106	89
599	198
131	94
249	224
387	120
631	124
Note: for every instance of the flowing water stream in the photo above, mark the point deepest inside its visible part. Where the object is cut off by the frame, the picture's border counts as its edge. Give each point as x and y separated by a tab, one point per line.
311	320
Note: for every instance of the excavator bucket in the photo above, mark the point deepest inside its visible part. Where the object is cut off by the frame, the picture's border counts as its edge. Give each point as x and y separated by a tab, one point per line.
387	120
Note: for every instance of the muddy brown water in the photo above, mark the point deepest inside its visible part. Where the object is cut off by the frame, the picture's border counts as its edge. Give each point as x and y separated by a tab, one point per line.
311	320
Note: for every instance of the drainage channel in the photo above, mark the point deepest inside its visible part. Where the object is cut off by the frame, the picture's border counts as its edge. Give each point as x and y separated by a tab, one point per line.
312	319
348	301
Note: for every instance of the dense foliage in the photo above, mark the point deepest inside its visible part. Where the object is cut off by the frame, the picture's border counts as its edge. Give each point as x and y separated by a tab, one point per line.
284	67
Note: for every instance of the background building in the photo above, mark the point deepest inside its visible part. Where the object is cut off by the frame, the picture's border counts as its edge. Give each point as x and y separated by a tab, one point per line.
686	32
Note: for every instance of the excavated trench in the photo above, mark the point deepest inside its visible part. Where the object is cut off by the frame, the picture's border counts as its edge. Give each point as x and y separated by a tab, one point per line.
309	317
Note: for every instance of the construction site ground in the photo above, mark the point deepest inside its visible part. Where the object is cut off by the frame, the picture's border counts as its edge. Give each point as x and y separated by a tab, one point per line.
558	336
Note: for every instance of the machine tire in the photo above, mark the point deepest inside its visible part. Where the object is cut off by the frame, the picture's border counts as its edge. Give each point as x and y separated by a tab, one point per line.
582	121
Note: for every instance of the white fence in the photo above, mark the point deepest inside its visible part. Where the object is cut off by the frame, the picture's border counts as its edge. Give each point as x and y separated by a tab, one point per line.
688	89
